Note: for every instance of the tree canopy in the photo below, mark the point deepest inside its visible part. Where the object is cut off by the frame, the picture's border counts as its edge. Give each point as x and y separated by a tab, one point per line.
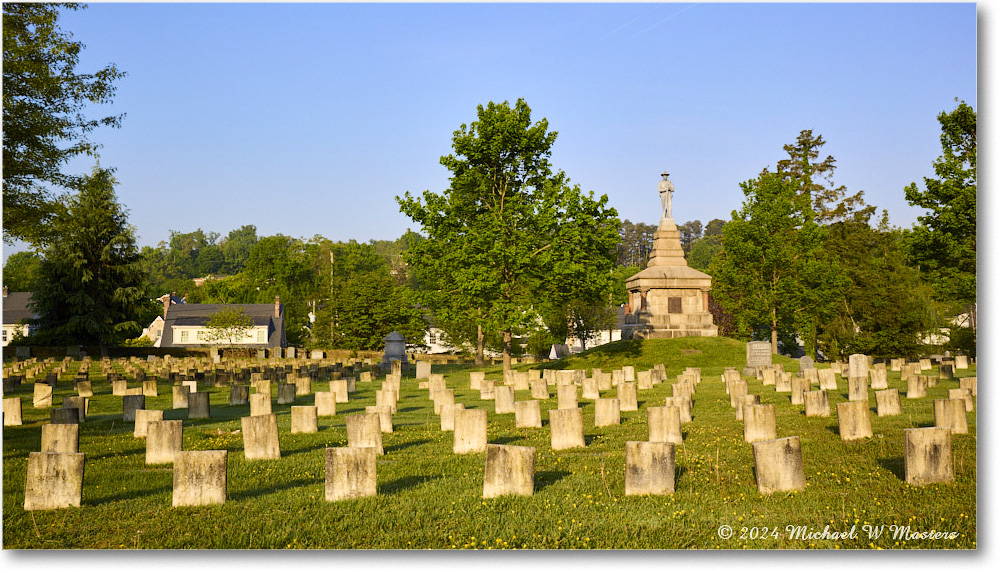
44	99
91	287
507	227
943	243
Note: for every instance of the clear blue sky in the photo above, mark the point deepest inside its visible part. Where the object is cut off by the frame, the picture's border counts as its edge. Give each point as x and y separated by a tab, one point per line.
307	119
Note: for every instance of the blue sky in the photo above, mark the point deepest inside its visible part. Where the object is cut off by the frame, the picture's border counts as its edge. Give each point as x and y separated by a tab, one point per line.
308	119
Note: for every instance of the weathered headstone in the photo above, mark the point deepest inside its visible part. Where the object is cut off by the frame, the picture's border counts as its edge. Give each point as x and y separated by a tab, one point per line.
84	389
853	420
627	397
590	390
53	480
200	477
423	369
130	404
503	402
744	401
199	407
475	379
61	438
448	416
384	417
180	396
566	428
759	354
304	420
260	404
961	362
64	415
470	431
339	389
665	424
685	403
649	468
607	412
440	398
567	396
916	387
12	411
759	423
946	372
927	456
879	378
527	414
858	366
326	404
487	390
969	383
799	387
43	396
150	388
510	470
857	389
778	465
142	420
965	395
286	393
539	390
644	380
817	403
887	402
951	414
164	438
260	437
239	395
806	362
364	431
191	384
350	473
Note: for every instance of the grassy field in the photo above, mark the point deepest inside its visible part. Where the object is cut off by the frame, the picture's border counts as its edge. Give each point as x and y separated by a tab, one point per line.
431	498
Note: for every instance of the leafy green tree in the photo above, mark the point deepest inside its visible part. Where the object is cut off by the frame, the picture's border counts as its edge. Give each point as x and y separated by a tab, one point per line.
503	227
815	181
21	271
636	243
236	248
91	287
770	247
883	306
714	227
44	98
690	232
366	308
943	242
230	324
702	252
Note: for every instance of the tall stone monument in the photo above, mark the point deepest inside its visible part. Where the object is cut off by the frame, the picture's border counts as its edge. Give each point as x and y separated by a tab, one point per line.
668	299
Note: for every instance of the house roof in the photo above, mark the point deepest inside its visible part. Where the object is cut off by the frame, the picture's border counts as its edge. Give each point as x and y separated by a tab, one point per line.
15	307
198	315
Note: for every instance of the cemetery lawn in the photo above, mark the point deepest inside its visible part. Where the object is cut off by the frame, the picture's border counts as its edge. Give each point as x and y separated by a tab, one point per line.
431	498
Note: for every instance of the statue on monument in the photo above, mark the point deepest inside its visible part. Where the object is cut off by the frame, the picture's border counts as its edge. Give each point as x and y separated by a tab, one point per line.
666	196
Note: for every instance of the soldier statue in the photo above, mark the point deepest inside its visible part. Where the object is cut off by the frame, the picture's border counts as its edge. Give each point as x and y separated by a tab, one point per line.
666	196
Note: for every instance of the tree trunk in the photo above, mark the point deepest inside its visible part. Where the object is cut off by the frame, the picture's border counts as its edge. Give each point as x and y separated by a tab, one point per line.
774	331
508	336
480	343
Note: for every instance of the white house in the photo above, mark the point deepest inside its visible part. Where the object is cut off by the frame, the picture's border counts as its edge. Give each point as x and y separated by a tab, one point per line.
16	314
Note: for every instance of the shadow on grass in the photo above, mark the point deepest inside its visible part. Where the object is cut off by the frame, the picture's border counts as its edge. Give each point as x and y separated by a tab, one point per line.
127	495
118	454
251	493
403	484
894	465
506	440
547	478
398	447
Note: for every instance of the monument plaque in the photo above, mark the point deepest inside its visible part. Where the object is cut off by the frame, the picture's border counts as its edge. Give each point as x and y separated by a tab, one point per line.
758	354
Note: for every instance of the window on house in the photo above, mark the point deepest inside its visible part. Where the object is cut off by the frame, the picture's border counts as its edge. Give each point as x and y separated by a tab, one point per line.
5	336
201	335
432	338
184	335
159	332
262	335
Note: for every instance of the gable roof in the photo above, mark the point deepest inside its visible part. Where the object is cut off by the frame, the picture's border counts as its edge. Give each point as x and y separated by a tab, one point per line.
198	314
15	307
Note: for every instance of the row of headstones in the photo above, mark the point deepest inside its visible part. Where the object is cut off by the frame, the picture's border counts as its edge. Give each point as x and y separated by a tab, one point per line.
927	456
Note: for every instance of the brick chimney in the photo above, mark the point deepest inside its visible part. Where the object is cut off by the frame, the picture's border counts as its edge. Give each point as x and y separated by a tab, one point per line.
277	307
5	291
166	304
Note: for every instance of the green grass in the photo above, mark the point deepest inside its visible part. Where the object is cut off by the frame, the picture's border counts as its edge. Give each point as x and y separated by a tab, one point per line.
430	498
